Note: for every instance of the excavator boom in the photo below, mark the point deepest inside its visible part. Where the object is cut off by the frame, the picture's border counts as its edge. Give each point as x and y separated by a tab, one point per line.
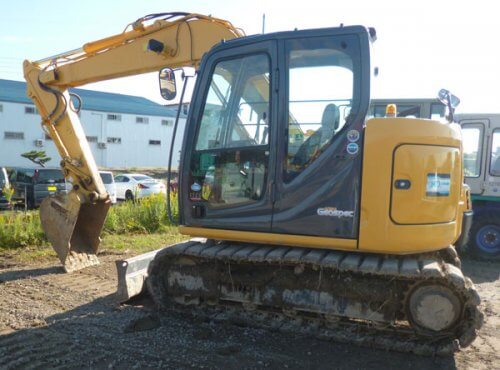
73	223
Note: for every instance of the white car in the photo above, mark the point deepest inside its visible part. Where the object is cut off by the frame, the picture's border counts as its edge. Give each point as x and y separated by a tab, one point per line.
135	185
109	184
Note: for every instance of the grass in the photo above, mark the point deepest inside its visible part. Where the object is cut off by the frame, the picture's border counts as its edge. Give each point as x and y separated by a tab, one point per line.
140	243
146	215
136	227
19	229
133	244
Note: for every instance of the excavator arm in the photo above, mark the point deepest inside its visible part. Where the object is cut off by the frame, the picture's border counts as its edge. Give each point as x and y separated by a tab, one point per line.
74	223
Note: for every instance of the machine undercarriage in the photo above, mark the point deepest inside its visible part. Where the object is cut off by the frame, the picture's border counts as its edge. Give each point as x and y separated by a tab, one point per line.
417	303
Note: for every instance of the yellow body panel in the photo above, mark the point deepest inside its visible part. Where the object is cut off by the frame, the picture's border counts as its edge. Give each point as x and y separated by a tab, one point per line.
377	231
270	238
421	165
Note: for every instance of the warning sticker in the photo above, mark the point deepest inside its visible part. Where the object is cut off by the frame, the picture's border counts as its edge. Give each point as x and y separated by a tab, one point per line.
438	185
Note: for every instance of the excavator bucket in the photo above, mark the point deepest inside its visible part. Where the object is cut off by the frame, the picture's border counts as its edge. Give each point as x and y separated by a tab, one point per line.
73	228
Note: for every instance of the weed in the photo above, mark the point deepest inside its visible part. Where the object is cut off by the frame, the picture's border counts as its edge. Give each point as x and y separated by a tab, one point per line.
144	216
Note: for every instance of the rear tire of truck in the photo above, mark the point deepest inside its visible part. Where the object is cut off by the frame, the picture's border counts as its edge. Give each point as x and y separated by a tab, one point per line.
30	204
129	196
484	239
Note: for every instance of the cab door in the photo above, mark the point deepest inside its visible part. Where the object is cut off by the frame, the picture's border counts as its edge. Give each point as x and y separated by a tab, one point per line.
324	103
228	164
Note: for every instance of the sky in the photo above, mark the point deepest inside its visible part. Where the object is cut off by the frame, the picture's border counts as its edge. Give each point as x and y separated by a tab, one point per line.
422	46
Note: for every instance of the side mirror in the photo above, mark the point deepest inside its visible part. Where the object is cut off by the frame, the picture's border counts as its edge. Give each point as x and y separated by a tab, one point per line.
168	88
448	99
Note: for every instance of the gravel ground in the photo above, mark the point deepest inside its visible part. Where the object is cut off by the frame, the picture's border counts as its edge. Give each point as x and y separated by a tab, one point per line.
52	319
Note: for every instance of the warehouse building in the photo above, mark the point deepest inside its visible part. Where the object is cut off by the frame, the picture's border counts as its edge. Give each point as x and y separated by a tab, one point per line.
123	131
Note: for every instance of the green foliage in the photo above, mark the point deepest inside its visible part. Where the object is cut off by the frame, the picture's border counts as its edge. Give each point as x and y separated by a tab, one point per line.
7	192
37	156
144	216
18	229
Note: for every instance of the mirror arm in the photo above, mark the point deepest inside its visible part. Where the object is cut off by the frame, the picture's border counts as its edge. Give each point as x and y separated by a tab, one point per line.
451	116
174	133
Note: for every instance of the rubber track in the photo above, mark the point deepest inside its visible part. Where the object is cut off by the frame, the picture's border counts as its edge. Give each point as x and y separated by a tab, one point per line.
415	268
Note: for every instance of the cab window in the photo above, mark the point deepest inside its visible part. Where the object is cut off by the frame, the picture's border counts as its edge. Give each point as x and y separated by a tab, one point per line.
230	163
472	137
495	154
438	111
320	85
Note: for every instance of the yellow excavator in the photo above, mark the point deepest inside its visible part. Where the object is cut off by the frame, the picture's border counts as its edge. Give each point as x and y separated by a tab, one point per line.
305	214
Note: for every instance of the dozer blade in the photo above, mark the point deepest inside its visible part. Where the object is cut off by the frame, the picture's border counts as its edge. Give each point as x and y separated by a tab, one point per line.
133	272
73	228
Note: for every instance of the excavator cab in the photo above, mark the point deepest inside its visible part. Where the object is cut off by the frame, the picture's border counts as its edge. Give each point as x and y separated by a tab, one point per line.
268	146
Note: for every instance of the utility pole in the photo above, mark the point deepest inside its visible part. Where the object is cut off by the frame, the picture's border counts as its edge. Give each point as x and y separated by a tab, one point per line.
264	23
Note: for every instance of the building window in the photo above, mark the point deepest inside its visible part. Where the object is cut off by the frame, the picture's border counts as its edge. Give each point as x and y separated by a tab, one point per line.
167	122
92	139
114	117
14	135
141	120
114	140
30	110
47	137
154	142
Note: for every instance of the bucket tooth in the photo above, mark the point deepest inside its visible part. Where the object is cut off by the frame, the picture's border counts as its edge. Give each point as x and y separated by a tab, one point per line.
73	228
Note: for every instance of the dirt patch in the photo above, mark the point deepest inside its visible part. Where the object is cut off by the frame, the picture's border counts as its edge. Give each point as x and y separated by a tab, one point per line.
52	319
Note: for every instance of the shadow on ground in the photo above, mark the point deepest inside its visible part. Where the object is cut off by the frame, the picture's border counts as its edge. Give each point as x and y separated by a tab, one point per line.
12	275
481	271
96	335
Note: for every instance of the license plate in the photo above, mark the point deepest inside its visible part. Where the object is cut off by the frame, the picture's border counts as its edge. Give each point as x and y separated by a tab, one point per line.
52	188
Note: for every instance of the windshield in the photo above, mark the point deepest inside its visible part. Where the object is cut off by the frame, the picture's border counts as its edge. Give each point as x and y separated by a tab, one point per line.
142	178
48	176
107	178
237	110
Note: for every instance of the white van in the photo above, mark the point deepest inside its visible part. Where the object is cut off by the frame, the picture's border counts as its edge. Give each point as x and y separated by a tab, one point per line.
109	183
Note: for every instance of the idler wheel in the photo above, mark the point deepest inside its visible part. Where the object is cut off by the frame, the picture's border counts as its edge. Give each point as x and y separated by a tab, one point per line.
433	308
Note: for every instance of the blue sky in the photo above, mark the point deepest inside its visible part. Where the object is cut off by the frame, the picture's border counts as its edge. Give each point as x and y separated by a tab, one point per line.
422	45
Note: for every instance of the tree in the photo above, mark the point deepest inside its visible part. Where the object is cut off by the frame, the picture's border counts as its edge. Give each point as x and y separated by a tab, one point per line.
38	157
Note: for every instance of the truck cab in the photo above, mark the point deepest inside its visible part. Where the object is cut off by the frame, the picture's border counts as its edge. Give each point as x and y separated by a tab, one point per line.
481	147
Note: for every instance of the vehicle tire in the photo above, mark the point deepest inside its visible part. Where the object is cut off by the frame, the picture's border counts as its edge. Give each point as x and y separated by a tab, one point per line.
484	238
129	195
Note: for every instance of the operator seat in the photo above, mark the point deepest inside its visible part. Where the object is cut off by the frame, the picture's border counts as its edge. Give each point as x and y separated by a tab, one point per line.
329	124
